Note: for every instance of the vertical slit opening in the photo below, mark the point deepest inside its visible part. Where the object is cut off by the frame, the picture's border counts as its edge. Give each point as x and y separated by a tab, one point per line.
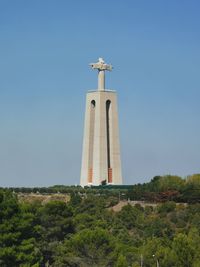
108	109
108	102
91	140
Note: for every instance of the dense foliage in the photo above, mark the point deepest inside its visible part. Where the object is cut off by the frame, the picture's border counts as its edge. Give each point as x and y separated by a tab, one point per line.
87	232
169	187
159	189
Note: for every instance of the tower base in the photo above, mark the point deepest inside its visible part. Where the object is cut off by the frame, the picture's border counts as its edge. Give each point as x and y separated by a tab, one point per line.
101	151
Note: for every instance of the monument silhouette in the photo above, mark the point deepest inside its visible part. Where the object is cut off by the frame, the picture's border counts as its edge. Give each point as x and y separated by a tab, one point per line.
101	163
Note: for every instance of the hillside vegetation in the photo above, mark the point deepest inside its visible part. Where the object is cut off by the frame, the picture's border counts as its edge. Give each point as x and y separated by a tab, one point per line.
86	231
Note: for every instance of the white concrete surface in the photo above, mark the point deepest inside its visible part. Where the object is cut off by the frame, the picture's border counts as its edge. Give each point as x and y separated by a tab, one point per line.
101	150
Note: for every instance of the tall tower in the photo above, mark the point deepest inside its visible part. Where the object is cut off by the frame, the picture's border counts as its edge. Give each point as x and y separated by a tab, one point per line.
101	151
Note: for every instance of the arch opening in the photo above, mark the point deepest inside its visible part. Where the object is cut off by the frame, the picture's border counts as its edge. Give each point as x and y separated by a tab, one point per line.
93	103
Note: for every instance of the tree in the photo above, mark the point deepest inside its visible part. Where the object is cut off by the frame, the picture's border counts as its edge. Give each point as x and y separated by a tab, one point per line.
167	207
171	182
91	247
55	219
129	216
18	247
121	261
183	250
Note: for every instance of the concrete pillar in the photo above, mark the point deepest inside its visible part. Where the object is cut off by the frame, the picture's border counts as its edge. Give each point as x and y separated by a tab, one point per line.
101	149
101	80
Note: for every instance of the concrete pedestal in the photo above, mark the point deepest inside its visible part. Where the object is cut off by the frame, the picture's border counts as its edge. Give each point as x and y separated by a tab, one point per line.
101	150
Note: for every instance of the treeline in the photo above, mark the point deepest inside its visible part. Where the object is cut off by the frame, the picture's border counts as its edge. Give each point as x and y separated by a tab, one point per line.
159	189
86	232
168	188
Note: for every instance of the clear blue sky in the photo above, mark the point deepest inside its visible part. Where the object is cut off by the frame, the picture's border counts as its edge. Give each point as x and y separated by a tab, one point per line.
45	49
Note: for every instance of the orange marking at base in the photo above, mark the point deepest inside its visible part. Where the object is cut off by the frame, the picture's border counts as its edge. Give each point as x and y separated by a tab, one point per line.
109	175
90	174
